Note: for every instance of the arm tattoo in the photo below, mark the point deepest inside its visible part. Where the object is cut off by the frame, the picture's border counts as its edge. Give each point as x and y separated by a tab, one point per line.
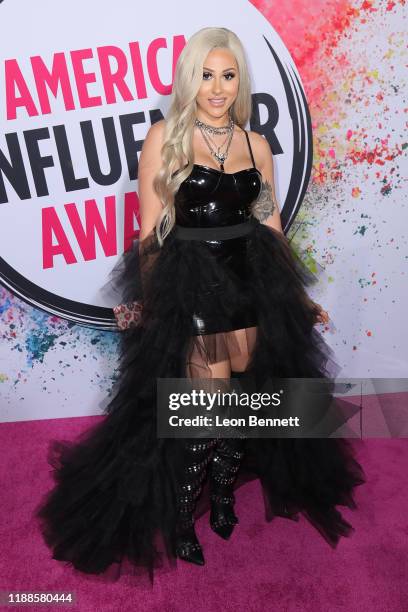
265	204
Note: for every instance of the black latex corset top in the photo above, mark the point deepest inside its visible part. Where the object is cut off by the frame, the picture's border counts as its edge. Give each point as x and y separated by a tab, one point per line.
209	197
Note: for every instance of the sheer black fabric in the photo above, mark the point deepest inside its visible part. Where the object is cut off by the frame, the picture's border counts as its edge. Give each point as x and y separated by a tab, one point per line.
223	288
116	488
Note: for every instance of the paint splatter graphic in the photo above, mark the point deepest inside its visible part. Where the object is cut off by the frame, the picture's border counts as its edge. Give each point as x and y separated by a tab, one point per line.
350	56
354	86
36	336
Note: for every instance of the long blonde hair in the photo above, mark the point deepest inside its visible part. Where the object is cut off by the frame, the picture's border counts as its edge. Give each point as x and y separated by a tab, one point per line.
177	149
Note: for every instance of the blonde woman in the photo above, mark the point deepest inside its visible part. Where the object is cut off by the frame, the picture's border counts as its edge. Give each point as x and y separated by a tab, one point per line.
212	290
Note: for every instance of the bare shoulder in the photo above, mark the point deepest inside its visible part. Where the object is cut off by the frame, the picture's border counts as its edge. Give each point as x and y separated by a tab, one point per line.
157	128
156	132
153	142
261	149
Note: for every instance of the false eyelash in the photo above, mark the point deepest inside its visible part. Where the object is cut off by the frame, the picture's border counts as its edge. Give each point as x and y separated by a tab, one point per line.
232	74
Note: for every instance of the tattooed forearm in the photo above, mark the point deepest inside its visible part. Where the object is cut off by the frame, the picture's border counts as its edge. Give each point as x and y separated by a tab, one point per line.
265	204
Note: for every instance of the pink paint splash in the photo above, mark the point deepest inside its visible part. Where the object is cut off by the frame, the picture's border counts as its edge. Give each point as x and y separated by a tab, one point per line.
310	31
321	38
350	55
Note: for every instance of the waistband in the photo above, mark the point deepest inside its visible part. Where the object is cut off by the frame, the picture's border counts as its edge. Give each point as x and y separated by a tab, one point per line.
221	232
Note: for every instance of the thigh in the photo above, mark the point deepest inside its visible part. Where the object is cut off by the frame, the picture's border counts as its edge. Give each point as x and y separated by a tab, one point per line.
208	357
215	355
241	344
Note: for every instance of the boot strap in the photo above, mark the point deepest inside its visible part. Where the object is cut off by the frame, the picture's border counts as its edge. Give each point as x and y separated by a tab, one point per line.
197	467
199	446
223	499
184	523
227	451
225	480
224	464
189	487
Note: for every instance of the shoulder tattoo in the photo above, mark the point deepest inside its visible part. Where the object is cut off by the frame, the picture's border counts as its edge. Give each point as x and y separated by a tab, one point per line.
265	204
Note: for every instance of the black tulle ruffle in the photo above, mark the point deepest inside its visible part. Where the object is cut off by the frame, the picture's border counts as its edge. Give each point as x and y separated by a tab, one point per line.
115	487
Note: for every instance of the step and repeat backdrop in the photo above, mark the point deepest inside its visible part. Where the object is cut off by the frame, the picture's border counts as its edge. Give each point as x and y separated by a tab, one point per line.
81	83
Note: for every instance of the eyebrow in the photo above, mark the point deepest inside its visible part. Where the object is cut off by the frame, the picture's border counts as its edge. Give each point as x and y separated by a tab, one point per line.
211	70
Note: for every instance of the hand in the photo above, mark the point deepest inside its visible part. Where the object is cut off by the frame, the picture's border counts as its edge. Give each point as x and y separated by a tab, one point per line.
322	315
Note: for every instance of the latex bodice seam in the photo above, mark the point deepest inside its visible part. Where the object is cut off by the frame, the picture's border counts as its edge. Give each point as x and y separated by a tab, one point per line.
209	197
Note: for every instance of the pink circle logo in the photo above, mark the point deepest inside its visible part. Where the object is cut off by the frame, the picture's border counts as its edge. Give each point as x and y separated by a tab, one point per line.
76	105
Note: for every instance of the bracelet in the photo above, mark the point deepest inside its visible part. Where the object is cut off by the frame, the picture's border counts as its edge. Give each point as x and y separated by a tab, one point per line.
128	315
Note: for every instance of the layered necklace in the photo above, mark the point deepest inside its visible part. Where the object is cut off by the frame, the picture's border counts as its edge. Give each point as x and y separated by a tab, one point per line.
215	150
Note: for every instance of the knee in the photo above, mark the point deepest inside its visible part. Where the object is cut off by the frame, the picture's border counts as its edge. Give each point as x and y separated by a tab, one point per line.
240	363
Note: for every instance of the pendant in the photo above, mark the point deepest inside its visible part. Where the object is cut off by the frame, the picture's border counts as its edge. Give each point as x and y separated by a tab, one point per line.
220	157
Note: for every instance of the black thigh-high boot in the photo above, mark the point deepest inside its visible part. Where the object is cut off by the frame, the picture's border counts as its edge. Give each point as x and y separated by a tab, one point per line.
198	453
225	463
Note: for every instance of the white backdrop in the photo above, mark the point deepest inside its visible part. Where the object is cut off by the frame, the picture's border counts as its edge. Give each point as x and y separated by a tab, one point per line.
62	228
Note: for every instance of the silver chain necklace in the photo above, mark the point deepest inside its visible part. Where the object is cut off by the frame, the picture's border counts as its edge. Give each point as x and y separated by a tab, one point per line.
207	129
212	129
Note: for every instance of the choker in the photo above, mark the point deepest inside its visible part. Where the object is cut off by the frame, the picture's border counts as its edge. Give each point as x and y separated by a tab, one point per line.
211	129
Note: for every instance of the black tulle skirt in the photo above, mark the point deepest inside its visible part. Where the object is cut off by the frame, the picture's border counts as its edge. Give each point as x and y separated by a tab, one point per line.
116	486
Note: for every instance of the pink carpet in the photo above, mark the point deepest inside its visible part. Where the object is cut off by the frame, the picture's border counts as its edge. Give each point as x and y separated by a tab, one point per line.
282	565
